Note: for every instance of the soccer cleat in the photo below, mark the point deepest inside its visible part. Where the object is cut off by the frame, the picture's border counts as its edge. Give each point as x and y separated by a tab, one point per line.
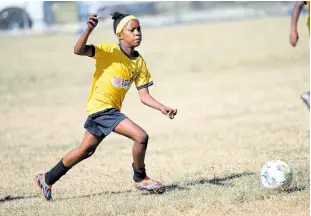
148	185
45	188
305	96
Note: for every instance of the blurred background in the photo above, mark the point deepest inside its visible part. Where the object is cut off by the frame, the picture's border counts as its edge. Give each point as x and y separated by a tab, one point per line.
70	16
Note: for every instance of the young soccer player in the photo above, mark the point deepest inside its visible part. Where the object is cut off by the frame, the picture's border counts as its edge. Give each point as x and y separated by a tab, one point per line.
117	67
305	96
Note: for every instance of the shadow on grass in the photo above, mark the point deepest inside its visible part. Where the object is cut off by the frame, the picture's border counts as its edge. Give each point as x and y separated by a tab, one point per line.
225	181
294	189
12	198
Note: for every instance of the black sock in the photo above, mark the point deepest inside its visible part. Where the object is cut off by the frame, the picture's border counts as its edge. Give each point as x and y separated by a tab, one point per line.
139	174
56	173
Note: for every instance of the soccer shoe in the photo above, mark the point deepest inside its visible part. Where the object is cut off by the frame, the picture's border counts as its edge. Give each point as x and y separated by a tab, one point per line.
148	185
305	96
45	188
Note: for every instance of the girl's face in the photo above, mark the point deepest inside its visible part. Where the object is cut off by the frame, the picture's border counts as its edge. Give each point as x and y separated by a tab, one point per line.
131	33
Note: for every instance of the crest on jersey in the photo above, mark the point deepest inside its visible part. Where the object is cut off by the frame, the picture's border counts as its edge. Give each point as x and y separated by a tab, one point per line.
121	83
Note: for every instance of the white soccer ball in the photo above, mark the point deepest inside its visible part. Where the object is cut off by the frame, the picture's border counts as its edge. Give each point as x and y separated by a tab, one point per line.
276	174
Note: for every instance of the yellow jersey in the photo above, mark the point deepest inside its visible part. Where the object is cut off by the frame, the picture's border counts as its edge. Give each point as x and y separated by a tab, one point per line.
308	21
114	74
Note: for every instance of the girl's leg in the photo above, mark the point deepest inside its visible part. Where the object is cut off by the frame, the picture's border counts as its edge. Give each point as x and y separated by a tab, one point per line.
131	130
85	150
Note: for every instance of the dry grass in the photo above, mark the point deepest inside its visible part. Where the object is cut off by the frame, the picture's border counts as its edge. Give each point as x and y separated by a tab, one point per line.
236	86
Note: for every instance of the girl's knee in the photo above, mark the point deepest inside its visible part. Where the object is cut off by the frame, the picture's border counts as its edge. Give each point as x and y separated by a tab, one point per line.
90	152
86	152
142	138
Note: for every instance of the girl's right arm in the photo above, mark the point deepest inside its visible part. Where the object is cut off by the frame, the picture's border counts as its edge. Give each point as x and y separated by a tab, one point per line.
81	48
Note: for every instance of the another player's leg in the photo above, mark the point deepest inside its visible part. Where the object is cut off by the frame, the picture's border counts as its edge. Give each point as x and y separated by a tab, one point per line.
305	96
131	130
85	150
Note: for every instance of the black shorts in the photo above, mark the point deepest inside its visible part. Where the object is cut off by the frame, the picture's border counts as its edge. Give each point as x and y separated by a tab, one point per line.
103	122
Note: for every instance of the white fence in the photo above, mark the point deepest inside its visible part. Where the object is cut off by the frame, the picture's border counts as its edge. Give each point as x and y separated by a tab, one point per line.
21	17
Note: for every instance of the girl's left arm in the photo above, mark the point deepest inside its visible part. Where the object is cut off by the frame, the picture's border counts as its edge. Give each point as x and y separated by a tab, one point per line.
148	100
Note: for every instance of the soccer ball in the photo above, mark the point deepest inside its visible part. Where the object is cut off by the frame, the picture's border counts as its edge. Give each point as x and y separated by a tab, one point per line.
276	174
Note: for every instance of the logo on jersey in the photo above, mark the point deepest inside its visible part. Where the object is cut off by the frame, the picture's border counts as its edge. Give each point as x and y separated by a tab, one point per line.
121	83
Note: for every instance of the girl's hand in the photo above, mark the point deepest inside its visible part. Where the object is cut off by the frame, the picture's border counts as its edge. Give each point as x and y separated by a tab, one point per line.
92	21
168	111
293	38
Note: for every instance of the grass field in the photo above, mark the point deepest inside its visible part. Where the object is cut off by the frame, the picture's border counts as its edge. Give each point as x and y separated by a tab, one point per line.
236	86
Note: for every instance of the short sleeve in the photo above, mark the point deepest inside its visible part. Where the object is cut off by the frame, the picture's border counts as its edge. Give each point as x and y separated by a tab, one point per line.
143	79
100	50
